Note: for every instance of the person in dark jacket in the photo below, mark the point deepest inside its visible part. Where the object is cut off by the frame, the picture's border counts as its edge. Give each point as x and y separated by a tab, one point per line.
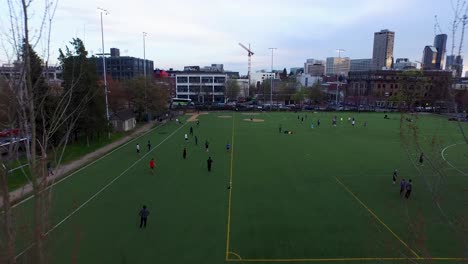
209	162
143	216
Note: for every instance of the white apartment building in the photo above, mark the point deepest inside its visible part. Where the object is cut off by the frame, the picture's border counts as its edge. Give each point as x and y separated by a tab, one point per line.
201	86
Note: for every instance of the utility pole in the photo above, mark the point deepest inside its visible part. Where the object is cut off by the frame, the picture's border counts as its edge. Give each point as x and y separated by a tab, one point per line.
144	74
104	11
272	77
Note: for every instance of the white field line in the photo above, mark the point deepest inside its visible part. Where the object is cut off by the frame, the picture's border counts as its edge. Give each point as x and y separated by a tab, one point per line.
450	164
100	191
84	167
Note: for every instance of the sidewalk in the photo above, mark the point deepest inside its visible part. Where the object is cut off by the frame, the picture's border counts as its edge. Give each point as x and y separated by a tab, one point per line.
64	170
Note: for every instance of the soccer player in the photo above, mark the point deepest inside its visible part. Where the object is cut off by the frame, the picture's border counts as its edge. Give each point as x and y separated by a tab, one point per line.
402	187
196	140
143	216
151	165
149	145
228	147
280	128
177	120
138	148
395	175
409	188
206	146
184	153
318	122
198	122
421	158
209	162
191	130
186	137
353	123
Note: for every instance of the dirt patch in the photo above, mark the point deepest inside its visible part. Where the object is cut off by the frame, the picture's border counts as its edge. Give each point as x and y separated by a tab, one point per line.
255	120
224	116
250	114
194	116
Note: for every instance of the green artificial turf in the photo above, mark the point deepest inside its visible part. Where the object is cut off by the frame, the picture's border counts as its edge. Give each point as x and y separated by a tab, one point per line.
321	194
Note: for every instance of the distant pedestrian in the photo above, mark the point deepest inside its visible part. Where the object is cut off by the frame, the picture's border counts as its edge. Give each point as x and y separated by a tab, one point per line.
298	117
421	159
206	146
138	148
49	169
228	147
395	175
196	140
186	137
209	162
149	145
191	131
198	122
409	188
280	128
302	119
402	187
151	165
184	153
143	216
318	122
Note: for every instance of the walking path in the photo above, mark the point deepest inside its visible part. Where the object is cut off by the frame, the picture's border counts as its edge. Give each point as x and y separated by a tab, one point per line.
65	169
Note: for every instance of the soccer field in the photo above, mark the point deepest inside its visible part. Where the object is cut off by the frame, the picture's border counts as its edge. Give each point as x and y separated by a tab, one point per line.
321	194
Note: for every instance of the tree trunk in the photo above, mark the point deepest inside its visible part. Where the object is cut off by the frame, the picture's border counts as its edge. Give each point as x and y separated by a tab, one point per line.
9	230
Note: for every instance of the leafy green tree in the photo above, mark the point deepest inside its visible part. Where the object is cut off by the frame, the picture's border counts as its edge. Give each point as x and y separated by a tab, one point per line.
151	96
316	95
81	80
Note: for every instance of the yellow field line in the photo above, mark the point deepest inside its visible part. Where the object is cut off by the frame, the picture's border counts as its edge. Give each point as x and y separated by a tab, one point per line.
230	191
376	217
342	259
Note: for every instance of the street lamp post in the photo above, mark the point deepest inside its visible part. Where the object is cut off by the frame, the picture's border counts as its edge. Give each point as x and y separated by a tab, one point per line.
104	11
144	73
271	80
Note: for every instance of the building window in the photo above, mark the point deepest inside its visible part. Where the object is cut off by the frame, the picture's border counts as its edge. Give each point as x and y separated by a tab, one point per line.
182	79
194	79
207	79
182	88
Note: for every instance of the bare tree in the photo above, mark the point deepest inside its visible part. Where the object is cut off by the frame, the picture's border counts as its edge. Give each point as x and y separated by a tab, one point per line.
43	115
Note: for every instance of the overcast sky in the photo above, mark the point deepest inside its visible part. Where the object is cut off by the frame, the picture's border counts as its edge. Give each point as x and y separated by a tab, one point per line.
201	32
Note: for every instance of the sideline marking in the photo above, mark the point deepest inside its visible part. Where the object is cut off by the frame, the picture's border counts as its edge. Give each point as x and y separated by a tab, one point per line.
84	167
450	164
341	259
100	191
235	254
376	217
230	190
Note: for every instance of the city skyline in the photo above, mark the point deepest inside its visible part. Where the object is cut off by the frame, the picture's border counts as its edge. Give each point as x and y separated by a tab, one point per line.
201	33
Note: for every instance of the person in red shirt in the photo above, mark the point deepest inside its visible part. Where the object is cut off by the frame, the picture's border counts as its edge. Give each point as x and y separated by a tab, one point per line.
151	164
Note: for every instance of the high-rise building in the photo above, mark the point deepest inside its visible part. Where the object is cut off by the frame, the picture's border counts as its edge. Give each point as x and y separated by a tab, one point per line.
360	65
466	74
316	69
429	58
310	62
440	42
124	67
382	56
455	64
337	66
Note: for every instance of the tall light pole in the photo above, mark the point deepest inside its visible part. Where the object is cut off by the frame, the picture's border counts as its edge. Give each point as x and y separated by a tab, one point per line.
271	80
338	76
144	73
104	11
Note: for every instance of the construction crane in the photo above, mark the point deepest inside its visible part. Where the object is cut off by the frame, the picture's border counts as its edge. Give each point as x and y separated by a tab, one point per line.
464	22
437	26
249	53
